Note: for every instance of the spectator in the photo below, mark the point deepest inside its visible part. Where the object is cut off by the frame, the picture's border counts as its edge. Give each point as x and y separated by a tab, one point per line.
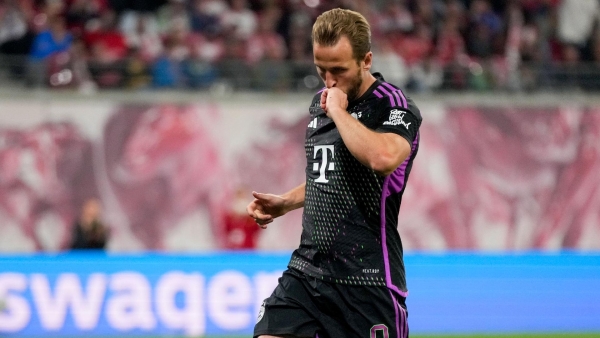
13	24
88	231
298	27
576	19
49	42
395	17
392	63
108	49
427	34
485	28
268	52
455	11
52	40
526	49
426	12
106	42
208	47
427	75
367	8
15	37
273	73
300	21
239	20
233	68
415	47
80	68
70	69
144	39
206	16
174	13
266	40
302	67
199	68
137	71
81	12
241	232
53	8
214	8
450	47
167	71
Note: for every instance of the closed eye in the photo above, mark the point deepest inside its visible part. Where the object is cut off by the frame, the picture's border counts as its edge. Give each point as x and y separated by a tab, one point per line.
338	70
334	70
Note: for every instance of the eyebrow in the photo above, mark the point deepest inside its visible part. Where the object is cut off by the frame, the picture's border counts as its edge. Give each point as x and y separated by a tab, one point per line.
336	68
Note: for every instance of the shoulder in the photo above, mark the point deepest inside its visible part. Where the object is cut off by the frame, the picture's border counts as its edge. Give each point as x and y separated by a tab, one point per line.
391	97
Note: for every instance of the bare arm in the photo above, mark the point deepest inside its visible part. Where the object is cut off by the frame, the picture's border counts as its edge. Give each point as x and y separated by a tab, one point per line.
266	207
382	152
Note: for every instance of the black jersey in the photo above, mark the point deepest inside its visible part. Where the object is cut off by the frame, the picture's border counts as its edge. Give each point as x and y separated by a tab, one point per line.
350	213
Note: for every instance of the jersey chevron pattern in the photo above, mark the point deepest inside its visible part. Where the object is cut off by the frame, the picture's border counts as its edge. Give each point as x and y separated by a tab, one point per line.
350	214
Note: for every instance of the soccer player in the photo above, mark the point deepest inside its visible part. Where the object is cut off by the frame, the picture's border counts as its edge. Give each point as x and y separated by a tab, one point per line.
347	277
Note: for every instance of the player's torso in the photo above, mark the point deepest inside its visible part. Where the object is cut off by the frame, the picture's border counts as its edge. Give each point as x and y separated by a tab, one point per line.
341	221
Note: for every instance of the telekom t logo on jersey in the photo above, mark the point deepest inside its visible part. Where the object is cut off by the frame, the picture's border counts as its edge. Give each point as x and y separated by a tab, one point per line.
326	163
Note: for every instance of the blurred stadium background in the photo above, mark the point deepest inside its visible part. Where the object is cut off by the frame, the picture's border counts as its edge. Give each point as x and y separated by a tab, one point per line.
170	112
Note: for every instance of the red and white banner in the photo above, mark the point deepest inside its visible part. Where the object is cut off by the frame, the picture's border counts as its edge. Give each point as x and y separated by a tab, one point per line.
170	176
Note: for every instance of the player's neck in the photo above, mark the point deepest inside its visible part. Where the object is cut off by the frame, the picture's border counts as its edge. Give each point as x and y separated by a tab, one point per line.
368	80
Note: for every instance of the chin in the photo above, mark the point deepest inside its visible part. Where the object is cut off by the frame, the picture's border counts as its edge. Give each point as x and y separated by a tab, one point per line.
352	95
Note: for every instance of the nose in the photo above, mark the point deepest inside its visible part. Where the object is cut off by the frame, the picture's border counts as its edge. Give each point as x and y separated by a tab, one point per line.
330	80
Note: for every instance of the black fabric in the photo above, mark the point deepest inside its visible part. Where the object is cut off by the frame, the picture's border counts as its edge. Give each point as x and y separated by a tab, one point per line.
95	238
343	227
304	306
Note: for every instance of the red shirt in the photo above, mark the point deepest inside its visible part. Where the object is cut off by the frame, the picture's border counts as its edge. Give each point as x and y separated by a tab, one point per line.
240	231
113	43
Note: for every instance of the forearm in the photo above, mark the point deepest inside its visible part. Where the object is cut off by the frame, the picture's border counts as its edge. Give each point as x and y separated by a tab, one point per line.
379	151
294	199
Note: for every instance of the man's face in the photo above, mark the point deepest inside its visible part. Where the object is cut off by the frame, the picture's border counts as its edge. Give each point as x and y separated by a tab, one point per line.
338	68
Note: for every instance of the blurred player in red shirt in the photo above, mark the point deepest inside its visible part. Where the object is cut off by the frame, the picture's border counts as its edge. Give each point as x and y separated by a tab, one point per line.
240	230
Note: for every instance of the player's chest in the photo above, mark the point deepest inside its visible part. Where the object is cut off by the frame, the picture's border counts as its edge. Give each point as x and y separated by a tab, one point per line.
322	130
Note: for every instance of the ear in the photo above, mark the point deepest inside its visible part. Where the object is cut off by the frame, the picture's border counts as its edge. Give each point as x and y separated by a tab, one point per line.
367	62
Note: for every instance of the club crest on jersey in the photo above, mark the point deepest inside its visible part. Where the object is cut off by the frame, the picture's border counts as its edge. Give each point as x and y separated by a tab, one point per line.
357	115
397	118
326	164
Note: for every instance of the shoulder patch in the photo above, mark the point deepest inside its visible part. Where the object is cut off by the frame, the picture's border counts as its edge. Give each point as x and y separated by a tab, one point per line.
397	118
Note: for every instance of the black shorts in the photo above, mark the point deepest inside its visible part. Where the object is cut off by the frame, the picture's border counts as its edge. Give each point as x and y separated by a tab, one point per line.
303	306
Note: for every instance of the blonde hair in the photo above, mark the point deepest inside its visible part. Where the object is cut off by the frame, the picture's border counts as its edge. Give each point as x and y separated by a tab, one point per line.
330	26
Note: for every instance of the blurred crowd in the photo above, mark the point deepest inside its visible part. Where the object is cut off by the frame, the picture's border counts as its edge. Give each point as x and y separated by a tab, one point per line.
265	44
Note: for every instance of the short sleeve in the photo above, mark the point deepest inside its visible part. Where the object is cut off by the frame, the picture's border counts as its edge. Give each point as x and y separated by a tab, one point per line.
399	121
